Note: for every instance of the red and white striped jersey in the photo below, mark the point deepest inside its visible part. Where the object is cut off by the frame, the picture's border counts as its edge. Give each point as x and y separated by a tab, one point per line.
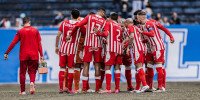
113	33
92	21
70	46
137	42
156	43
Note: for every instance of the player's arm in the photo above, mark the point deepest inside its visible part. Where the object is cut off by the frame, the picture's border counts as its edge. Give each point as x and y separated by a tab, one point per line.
82	23
40	47
160	26
60	30
105	31
13	43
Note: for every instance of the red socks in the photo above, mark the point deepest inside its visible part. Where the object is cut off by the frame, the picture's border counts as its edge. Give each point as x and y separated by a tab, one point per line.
117	79
98	82
164	77
70	78
108	79
150	75
141	73
160	75
85	83
61	78
138	81
128	78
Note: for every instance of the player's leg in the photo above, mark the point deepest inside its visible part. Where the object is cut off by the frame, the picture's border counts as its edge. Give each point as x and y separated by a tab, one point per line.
159	59
102	69
108	63
149	70
127	61
87	58
32	70
62	72
138	57
77	72
22	78
70	71
118	60
164	78
97	61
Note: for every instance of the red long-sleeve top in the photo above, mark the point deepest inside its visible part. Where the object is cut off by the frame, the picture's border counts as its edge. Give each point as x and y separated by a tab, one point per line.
30	43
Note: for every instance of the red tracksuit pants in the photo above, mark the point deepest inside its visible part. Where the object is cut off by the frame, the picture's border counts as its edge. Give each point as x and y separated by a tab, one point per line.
27	65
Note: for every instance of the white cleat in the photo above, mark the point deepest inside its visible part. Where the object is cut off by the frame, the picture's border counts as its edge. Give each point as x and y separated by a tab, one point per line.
78	91
151	90
90	91
144	88
136	91
105	91
22	93
160	90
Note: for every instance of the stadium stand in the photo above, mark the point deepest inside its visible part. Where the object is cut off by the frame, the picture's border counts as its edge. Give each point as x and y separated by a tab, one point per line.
188	10
43	12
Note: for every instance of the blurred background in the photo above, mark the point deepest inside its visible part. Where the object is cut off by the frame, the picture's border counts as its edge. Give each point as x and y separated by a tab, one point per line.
182	17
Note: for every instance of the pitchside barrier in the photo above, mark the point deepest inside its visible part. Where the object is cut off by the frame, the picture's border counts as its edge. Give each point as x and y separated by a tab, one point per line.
182	57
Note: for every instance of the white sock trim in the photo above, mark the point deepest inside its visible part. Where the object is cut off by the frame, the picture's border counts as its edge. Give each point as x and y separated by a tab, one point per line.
117	71
108	72
84	78
63	69
98	77
149	65
70	70
158	65
77	69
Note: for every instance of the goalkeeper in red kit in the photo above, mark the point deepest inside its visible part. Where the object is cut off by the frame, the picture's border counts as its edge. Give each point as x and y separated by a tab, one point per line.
30	49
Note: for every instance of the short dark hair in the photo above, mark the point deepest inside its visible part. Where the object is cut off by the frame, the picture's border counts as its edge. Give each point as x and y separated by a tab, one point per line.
114	16
141	13
136	12
102	9
26	20
75	13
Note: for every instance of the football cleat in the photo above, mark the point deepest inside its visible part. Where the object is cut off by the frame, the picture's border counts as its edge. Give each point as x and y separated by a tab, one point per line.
116	91
90	91
77	91
130	89
144	88
135	91
22	93
160	90
151	90
105	91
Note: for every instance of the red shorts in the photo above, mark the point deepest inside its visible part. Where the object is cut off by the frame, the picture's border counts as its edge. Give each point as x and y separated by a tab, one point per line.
113	58
159	56
126	59
66	60
89	53
149	57
138	57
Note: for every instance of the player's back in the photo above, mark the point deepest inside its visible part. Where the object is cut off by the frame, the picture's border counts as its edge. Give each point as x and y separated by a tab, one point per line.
29	42
115	37
94	21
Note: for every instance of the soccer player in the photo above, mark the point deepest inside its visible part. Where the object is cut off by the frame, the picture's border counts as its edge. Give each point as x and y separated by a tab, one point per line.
157	48
30	49
78	62
92	47
126	57
138	54
67	50
113	33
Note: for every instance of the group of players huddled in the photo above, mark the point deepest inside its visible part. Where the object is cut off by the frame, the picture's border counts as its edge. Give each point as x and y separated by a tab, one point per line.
108	42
